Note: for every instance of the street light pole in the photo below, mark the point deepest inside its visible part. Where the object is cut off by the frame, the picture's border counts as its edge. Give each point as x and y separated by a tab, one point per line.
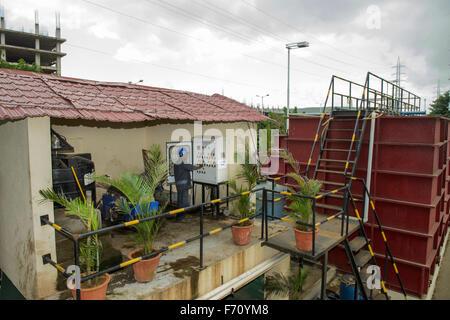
288	84
262	101
290	46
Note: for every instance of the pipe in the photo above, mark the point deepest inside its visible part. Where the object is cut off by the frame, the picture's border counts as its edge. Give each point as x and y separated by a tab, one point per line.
369	165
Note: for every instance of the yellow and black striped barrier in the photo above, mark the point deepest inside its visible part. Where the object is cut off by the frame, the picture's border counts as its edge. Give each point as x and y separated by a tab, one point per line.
166	214
127	263
77	237
274	200
318	223
320	196
394	265
168	248
265	178
46	259
63	231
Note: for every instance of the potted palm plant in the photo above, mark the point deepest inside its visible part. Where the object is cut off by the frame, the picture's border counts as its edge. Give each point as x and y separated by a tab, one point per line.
281	285
138	191
249	175
300	209
90	248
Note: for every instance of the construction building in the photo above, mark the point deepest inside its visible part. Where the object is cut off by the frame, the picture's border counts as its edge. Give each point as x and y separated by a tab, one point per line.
43	50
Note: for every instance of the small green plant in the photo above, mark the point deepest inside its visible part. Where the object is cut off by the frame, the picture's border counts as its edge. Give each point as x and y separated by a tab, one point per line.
300	208
248	174
138	196
244	205
279	284
139	191
91	247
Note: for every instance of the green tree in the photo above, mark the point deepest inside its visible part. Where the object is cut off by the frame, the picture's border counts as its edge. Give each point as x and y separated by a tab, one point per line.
440	106
277	121
21	65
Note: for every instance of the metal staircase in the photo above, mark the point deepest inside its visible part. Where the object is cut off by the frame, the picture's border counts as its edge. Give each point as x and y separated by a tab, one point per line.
336	147
340	137
338	157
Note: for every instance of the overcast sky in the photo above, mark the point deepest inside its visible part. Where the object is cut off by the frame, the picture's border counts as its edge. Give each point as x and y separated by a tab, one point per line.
237	47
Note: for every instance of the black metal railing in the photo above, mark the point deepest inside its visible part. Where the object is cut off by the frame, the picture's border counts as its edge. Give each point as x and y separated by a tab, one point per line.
75	238
389	97
342	213
376	94
388	252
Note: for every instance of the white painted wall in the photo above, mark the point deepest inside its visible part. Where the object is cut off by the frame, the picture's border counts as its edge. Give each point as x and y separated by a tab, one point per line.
25	168
116	148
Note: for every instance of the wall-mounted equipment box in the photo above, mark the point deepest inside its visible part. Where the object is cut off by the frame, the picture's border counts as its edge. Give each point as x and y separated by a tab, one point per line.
210	151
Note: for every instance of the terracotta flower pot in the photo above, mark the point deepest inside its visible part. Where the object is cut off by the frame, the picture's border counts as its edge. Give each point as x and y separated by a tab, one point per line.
242	235
304	239
144	270
96	293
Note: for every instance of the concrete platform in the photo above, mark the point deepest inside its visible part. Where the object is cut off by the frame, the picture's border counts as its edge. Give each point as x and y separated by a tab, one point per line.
327	238
179	275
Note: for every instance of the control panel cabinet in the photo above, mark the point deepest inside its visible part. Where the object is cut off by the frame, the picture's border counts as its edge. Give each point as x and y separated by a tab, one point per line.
210	151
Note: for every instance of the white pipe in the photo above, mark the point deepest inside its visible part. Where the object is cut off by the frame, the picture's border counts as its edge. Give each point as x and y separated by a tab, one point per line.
369	165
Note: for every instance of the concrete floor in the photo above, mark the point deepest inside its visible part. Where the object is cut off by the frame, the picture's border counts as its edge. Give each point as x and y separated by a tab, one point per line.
177	266
442	290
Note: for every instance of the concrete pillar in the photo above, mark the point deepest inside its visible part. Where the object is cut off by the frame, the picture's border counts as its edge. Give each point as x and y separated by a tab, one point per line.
25	168
58	44
37	46
2	39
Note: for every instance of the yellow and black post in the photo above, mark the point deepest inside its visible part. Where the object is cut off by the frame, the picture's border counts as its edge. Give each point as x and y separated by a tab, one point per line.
266	222
77	264
273	197
201	239
314	227
263	216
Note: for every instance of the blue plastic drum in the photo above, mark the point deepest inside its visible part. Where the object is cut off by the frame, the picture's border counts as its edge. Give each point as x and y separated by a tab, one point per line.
154	205
347	288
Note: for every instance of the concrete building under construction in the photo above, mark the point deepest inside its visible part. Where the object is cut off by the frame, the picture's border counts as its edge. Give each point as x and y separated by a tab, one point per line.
43	50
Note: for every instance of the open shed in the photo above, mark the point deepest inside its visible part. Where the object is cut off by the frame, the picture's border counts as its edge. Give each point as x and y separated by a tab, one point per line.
111	121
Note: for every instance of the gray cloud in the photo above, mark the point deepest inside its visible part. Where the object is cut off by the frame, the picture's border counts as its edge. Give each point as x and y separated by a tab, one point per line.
237	40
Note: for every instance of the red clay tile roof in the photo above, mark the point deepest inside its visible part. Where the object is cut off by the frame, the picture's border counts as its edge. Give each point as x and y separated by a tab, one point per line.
28	94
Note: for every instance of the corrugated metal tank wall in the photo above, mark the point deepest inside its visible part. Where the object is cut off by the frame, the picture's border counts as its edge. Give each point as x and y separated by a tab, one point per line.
410	186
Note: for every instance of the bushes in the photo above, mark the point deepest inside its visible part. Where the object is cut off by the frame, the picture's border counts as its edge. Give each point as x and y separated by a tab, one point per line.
21	65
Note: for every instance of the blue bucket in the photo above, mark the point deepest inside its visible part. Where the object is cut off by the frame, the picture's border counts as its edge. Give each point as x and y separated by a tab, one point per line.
153	206
347	288
107	201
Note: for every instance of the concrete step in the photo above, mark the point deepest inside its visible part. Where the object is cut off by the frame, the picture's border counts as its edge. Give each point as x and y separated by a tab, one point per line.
357	243
362	258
